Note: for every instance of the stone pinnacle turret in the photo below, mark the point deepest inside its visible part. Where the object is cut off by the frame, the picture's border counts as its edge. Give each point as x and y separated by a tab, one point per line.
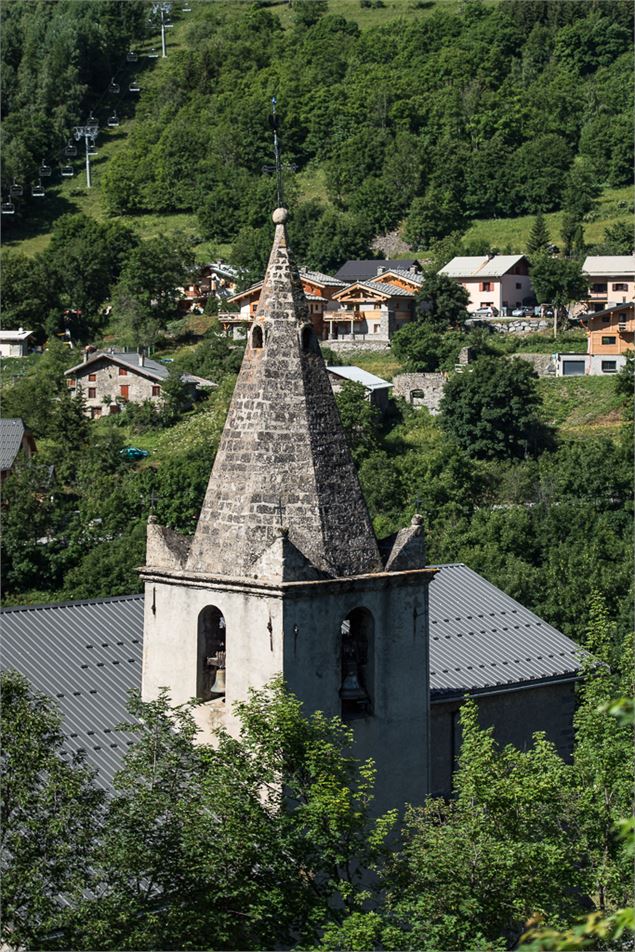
283	460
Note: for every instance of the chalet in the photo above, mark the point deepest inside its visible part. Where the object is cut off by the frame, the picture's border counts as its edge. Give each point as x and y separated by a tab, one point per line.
319	290
610	337
499	282
109	378
370	268
15	438
216	280
370	311
377	390
611	280
14	343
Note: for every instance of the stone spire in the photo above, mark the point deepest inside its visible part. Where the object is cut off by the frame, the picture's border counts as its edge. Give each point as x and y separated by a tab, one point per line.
283	461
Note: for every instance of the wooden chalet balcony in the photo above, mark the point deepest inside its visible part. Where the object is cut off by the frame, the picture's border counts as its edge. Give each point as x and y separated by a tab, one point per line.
231	317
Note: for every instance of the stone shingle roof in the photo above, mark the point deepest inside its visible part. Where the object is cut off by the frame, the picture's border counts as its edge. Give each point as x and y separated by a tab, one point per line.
11	433
87	655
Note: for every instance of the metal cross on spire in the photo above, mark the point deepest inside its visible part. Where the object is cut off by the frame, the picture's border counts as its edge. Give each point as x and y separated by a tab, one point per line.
277	168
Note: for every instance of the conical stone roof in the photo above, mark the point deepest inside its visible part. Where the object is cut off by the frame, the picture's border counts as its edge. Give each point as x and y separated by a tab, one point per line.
283	459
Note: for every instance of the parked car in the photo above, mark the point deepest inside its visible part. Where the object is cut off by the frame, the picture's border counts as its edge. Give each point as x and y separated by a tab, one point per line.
133	453
522	312
485	312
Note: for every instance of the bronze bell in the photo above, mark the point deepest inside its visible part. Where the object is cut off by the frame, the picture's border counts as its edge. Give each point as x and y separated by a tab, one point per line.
351	689
218	684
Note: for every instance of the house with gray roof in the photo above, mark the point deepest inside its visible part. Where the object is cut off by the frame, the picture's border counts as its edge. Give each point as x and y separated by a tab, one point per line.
108	379
87	656
500	283
368	268
14	438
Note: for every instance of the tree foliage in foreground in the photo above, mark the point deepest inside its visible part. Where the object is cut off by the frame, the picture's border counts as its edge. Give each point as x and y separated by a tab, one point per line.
267	839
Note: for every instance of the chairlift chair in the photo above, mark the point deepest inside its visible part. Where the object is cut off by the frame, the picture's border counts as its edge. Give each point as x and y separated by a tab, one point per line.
113	121
7	208
186	9
91	147
134	87
67	171
16	190
45	170
114	87
37	191
153	54
132	57
70	149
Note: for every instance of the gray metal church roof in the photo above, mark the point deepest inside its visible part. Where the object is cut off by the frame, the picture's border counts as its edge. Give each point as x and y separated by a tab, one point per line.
87	655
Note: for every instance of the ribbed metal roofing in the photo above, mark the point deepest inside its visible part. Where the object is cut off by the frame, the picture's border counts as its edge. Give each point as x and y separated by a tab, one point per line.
87	655
610	265
482	639
357	375
11	433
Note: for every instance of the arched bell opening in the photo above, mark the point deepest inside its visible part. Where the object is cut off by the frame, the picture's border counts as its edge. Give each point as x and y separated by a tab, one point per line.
308	340
211	654
257	338
357	674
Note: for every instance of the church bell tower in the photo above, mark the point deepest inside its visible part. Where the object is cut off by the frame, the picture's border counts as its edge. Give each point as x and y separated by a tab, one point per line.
284	574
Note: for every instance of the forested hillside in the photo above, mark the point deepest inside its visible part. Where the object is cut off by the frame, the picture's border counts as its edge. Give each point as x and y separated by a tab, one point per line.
471	111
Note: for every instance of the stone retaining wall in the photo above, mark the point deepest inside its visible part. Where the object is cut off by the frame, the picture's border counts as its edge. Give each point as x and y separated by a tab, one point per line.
514	325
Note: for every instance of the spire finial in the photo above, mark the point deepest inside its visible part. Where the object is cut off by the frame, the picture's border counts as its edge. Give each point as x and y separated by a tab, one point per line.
276	151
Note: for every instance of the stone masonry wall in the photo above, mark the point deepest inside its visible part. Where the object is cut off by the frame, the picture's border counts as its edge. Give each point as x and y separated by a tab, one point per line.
108	383
427	387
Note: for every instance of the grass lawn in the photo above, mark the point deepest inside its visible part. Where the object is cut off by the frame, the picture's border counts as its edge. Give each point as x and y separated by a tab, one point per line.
582	406
514	232
382	364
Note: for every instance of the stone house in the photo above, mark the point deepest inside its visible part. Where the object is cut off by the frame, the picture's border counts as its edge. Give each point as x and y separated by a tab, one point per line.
15	438
611	281
14	343
500	282
110	378
610	337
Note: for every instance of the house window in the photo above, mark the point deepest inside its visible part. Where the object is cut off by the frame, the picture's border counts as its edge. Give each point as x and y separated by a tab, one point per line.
608	340
123	372
124	391
357	664
211	654
606	320
70	381
256	337
599	288
156	390
92	393
92	376
518	285
609	366
621	286
95	412
486	286
376	328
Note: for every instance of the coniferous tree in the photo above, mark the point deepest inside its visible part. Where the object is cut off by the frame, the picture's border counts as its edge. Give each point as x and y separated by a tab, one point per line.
539	240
